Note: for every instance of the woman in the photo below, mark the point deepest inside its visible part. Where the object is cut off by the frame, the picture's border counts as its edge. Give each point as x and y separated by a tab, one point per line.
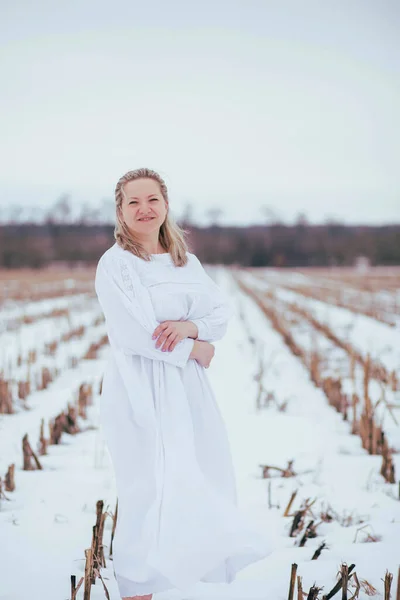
178	520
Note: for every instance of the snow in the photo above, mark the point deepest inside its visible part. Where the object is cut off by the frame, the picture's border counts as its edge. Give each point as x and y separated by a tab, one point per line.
350	328
46	523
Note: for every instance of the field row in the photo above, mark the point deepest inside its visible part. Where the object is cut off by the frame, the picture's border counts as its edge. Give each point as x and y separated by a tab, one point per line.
372	300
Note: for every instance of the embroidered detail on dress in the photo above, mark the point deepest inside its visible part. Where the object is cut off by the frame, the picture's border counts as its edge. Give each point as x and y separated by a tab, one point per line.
126	278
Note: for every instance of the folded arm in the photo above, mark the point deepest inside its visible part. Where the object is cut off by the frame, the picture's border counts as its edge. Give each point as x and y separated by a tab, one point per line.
213	326
129	313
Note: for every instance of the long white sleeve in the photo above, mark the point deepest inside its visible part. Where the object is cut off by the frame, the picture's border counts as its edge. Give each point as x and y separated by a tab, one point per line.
129	314
213	326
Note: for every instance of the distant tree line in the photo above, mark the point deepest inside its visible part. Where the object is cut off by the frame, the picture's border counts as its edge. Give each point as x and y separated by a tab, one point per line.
278	245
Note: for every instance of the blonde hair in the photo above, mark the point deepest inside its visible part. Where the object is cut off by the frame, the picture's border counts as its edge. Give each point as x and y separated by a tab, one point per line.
171	236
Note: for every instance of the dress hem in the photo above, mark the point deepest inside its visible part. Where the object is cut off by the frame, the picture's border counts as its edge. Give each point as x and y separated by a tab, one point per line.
128	587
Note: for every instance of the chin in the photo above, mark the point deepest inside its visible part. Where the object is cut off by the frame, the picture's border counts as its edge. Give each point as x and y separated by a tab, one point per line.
139	226
148	224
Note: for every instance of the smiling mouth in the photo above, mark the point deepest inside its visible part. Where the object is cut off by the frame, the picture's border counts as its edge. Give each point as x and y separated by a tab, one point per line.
146	219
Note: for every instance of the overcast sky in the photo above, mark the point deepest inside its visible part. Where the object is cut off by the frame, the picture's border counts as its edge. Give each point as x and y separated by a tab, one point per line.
289	105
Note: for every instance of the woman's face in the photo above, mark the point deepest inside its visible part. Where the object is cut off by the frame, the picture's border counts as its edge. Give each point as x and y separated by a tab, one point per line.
144	208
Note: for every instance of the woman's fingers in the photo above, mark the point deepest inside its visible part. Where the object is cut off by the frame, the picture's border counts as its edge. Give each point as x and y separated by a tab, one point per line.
168	337
163	336
165	339
174	342
161	327
171	341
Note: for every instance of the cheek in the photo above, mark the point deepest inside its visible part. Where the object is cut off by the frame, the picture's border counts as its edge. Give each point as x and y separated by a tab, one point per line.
158	212
128	213
162	211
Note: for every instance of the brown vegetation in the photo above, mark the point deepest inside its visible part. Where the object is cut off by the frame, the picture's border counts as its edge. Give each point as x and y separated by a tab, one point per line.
372	435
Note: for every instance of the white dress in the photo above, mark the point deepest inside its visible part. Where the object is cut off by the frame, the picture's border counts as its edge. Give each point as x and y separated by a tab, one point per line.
178	520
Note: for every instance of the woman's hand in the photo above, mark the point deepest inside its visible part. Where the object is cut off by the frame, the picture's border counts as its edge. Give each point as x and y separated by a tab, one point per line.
169	333
203	352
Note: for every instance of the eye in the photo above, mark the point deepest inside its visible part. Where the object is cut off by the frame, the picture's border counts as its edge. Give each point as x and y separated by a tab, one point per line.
156	199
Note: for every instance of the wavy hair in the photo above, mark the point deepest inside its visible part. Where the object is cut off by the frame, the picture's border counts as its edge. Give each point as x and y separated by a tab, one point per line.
171	236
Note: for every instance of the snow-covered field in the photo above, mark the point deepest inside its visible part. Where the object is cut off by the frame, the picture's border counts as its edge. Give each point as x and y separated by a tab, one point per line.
46	523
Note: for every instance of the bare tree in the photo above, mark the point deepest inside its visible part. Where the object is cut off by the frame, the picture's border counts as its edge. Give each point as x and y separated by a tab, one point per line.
187	218
60	212
214	214
271	215
89	215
